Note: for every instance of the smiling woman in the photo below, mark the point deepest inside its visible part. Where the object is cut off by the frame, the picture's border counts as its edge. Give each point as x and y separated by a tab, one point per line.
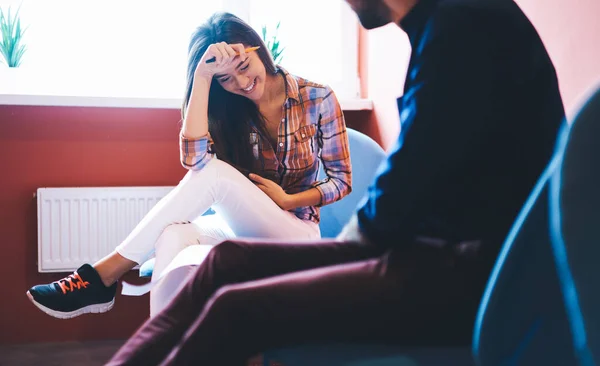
253	138
122	53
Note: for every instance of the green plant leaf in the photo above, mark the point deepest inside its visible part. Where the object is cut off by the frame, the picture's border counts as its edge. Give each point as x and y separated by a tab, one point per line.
12	48
272	42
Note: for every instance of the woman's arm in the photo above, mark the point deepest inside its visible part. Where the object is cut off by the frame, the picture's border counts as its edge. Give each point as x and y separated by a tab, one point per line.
194	139
335	155
335	152
195	123
310	197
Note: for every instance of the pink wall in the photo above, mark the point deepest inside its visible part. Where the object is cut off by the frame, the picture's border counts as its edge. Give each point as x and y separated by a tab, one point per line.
384	58
570	31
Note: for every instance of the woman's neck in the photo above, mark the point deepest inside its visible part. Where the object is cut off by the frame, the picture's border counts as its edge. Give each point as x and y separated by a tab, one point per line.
274	91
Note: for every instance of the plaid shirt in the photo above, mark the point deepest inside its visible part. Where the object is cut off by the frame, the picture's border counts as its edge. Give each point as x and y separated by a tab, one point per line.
313	131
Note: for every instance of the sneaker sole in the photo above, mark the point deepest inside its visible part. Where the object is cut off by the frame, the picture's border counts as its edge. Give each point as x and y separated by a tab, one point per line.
90	309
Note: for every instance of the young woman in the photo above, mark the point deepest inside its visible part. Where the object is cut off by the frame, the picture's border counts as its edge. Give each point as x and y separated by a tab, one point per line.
253	137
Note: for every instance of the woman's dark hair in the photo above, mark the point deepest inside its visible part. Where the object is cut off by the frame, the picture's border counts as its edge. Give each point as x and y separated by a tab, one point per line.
230	116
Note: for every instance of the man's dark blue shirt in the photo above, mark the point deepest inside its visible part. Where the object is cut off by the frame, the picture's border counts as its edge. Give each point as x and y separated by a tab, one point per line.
479	118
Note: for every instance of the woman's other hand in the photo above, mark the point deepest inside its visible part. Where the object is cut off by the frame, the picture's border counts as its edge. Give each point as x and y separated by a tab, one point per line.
273	190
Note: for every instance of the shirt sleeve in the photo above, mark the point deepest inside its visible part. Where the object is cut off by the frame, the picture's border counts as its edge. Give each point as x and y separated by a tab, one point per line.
335	153
195	153
443	113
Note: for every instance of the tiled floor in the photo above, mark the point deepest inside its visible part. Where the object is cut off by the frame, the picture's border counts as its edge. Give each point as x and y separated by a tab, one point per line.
58	354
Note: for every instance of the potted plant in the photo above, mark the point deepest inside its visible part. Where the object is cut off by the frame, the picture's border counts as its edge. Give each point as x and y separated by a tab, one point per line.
12	50
12	47
273	43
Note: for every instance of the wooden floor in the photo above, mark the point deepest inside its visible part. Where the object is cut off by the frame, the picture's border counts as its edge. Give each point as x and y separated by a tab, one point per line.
99	352
70	354
59	354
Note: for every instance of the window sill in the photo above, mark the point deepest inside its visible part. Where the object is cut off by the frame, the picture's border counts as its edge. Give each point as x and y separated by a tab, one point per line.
349	104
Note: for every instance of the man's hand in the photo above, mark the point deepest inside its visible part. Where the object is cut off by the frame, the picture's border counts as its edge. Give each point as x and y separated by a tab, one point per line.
351	232
273	190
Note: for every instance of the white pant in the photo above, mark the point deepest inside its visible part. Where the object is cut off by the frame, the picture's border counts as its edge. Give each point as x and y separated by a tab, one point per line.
205	230
246	210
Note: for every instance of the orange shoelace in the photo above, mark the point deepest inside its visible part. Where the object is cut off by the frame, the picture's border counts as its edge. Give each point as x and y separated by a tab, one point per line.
72	282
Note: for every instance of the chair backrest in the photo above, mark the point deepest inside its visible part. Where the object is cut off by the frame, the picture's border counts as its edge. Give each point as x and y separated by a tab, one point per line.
366	156
522	320
575	218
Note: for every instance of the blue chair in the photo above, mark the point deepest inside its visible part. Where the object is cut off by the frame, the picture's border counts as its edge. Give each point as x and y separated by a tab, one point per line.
147	268
550	255
575	216
522	320
366	155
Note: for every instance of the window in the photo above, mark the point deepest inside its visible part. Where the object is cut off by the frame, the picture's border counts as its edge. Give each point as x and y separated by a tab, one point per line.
321	40
138	49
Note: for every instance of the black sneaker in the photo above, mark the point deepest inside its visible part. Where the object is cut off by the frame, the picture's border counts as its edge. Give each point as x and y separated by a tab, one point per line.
79	293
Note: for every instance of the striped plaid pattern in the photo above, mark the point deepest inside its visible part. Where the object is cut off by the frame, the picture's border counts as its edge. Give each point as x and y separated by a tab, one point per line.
312	132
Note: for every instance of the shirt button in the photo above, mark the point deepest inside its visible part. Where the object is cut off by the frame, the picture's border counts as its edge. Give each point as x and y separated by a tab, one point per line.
283	120
281	144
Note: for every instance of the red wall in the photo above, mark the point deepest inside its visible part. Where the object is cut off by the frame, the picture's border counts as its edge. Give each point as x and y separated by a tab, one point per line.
68	146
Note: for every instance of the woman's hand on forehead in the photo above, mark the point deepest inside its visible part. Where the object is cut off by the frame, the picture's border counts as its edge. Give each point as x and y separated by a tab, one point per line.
227	58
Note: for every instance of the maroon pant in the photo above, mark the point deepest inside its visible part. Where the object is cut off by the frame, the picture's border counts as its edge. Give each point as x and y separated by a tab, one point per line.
250	296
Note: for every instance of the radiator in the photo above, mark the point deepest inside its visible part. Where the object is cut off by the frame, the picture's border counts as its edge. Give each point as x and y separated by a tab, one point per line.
82	225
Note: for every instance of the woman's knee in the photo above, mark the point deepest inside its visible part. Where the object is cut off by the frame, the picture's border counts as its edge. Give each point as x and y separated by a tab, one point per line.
212	167
207	173
210	177
175	235
222	170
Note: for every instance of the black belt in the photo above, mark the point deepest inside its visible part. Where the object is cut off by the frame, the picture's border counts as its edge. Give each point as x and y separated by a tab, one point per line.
464	249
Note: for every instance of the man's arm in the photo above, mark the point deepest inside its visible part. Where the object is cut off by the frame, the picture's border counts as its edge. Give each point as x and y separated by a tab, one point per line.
444	114
352	233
